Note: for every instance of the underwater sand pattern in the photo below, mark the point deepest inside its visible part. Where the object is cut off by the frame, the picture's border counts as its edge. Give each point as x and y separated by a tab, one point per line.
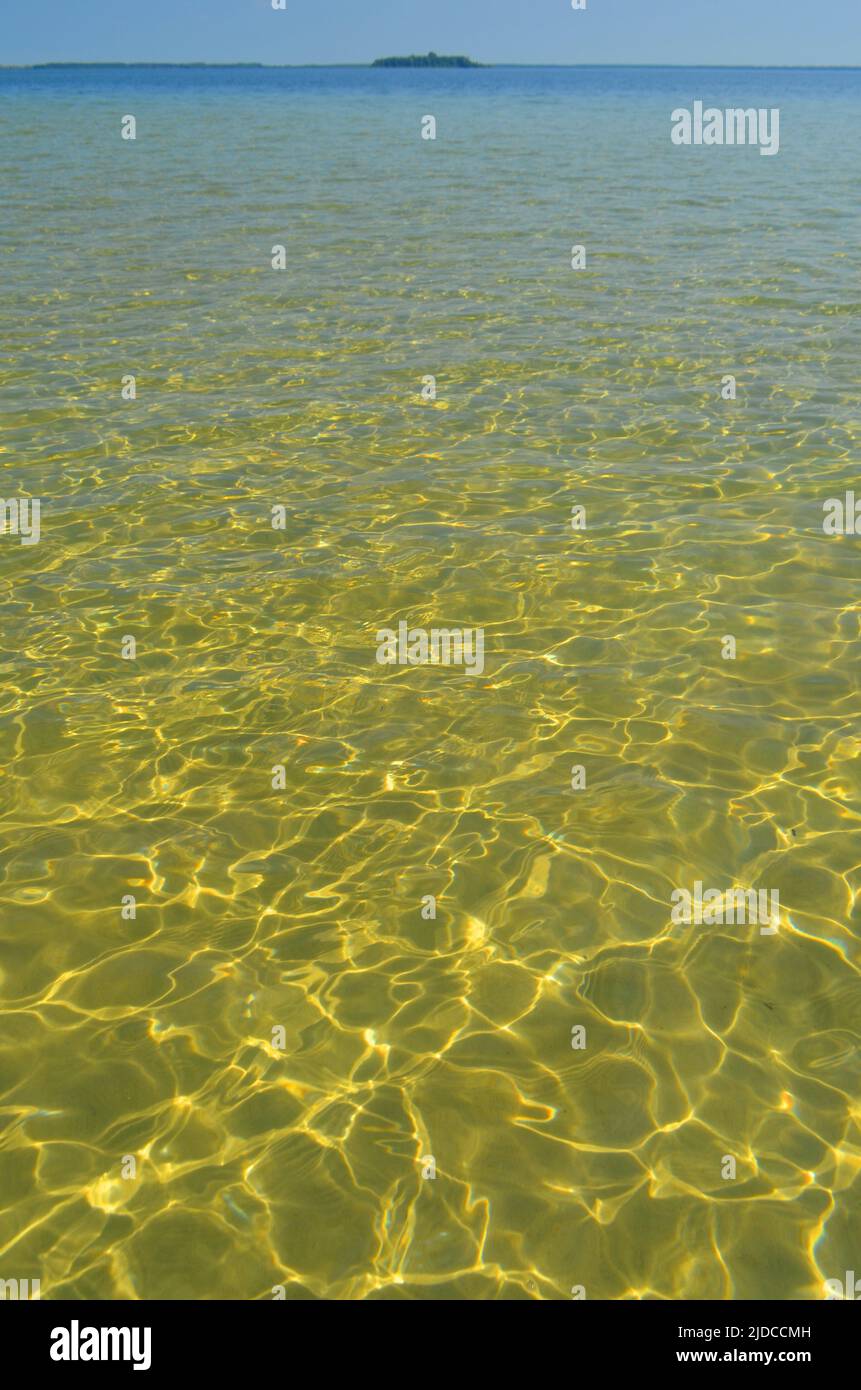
259	908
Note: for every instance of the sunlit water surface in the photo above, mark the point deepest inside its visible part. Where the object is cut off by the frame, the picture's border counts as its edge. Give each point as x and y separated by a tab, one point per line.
258	908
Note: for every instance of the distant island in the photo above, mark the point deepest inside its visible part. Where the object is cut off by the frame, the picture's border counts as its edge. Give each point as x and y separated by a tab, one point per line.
430	60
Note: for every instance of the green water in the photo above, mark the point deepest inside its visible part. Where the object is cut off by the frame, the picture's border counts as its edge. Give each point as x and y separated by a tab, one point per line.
406	1038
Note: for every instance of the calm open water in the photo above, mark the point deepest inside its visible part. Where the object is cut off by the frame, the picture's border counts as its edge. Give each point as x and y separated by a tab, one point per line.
256	908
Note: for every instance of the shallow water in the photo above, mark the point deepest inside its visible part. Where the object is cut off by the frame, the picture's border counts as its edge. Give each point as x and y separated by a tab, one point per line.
258	908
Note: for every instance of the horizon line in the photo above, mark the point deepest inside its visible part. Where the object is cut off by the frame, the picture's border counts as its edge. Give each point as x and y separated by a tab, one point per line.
239	63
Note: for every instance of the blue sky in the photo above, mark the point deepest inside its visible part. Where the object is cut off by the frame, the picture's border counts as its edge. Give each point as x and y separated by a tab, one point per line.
521	31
